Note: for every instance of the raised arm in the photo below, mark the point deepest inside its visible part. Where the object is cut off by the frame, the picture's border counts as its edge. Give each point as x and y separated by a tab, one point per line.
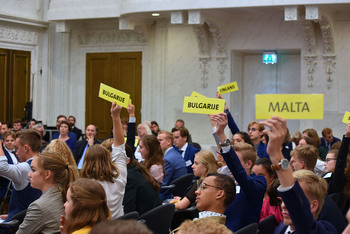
118	135
231	122
276	133
130	134
338	181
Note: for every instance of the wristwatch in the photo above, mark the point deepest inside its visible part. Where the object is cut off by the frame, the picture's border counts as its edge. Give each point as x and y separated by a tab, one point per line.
227	142
282	165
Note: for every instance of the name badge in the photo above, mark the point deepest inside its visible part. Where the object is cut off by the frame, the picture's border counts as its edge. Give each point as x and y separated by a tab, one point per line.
188	163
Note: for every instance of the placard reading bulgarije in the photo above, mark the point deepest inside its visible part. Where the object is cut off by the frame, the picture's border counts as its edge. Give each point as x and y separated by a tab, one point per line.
289	106
111	94
227	88
199	105
195	94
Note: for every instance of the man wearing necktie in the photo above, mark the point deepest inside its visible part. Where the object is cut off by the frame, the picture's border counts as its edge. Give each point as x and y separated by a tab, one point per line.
186	150
327	139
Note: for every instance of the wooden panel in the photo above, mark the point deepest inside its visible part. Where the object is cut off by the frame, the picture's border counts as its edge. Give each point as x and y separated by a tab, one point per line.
98	70
129	79
119	70
20	84
4	57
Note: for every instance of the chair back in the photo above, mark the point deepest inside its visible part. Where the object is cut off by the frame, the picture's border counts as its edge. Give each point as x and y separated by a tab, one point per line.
249	229
159	219
130	215
13	224
267	225
182	184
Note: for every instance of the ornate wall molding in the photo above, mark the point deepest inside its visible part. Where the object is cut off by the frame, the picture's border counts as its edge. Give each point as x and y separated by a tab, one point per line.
204	67
310	39
120	37
221	56
20	36
202	34
329	48
311	62
310	56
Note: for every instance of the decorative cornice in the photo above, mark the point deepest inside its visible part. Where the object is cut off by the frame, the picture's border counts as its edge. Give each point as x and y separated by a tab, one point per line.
24	21
124	37
20	36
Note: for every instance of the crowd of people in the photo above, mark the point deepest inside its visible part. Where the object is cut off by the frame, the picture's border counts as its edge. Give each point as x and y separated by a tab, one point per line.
77	183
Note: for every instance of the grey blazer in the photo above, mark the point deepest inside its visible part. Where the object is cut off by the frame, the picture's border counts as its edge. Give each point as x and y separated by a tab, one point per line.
44	214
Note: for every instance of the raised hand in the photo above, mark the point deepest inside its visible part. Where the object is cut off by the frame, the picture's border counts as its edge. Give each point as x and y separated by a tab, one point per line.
115	110
131	110
276	133
347	133
221	123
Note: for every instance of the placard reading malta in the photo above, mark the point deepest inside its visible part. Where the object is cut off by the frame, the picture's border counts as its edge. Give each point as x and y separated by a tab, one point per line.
111	94
227	88
199	105
289	106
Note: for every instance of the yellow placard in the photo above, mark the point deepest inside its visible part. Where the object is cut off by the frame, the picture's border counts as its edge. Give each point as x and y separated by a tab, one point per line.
199	105
289	106
227	88
111	94
346	118
195	94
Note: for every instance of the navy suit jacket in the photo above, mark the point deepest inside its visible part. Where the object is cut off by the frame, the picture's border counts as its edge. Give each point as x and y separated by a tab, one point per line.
299	210
323	142
246	207
262	153
79	149
174	167
189	156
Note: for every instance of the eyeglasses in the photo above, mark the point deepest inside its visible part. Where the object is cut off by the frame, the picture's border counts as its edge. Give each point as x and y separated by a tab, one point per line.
204	186
252	129
329	159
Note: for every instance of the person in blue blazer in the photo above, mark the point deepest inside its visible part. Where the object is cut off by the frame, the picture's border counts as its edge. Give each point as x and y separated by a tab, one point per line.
327	139
175	166
181	145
